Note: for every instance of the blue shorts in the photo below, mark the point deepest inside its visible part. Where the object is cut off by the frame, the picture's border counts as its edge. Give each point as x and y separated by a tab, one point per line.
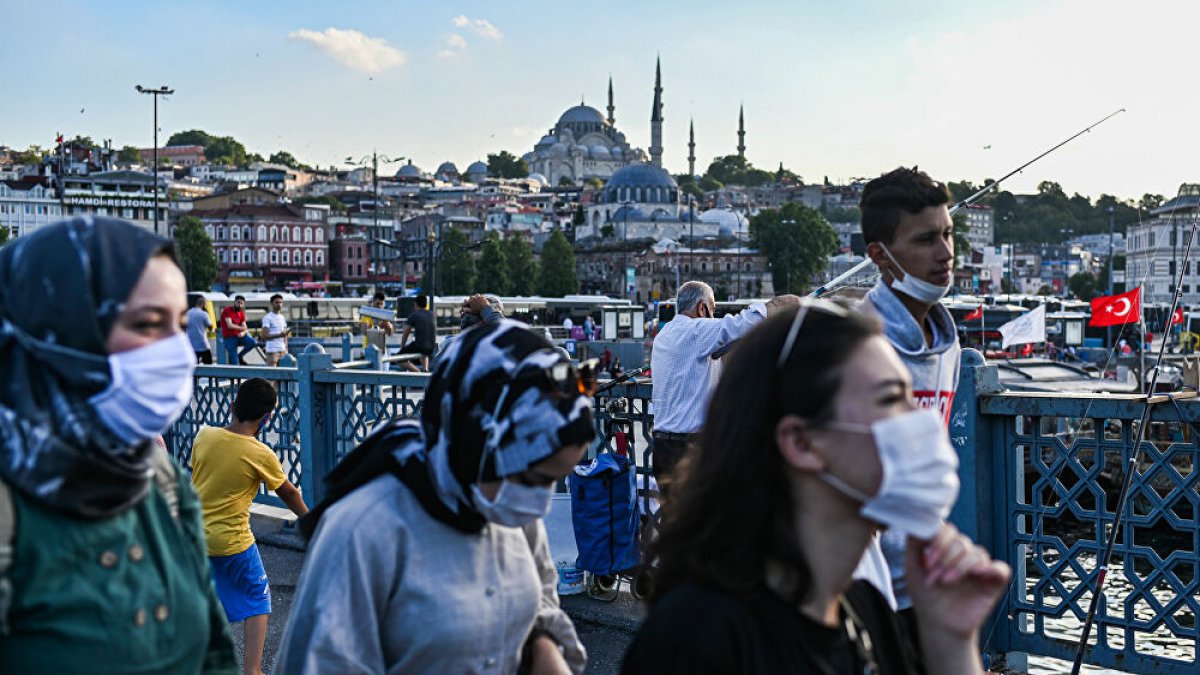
242	584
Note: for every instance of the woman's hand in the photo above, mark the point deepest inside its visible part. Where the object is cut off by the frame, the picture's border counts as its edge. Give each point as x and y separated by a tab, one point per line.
954	583
546	659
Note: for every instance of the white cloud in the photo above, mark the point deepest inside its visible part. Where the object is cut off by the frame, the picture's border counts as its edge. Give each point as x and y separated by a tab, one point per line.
447	54
481	27
456	41
353	49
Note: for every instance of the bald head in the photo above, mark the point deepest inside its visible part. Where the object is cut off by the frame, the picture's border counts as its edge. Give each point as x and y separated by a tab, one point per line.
691	296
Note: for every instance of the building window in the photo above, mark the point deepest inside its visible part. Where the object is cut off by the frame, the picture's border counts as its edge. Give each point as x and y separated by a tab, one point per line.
360	270
233	257
235	233
308	257
283	234
296	257
283	257
246	232
262	232
127	214
221	256
296	234
220	233
246	256
262	256
274	256
274	233
318	234
307	235
320	257
703	267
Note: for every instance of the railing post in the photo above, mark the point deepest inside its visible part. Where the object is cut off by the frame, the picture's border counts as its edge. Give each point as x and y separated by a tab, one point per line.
347	350
374	356
316	423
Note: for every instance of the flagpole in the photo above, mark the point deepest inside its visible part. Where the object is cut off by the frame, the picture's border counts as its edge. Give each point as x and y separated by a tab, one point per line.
1142	347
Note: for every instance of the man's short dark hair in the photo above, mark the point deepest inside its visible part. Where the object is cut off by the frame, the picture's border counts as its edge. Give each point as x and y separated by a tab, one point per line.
422	302
380	296
239	297
256	397
199	301
276	297
886	199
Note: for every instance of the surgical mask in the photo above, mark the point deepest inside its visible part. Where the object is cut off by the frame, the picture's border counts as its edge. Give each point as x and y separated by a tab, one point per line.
917	289
515	505
150	388
920	473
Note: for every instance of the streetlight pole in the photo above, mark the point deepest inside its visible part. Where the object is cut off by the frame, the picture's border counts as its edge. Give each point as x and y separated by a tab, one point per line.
738	260
787	270
374	160
155	93
692	236
1111	219
627	204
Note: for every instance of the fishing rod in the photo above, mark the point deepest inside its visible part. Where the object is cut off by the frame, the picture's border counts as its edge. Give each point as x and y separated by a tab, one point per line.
980	194
1131	466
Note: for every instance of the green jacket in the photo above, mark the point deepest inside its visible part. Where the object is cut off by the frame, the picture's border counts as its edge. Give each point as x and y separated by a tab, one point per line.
129	594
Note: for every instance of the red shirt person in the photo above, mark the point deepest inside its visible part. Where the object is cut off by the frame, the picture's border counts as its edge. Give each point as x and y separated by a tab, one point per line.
234	332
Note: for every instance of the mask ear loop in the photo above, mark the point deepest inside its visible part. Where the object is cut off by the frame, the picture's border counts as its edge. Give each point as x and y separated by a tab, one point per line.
794	331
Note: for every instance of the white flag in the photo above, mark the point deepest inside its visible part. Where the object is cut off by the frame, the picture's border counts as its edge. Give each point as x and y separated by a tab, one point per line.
1027	328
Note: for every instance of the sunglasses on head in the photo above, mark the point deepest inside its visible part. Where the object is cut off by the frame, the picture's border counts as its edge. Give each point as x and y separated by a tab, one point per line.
570	379
807	305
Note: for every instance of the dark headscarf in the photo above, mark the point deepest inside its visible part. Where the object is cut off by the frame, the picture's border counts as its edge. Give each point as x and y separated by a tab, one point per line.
490	411
61	291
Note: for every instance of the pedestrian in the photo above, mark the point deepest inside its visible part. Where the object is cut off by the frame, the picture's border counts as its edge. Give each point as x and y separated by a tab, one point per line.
275	331
684	373
228	466
420	324
199	323
235	333
812	444
589	328
606	358
1124	348
107	572
909	236
567	325
475	310
429	555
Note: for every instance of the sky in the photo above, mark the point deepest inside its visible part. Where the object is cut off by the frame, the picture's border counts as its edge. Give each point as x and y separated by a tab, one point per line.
966	90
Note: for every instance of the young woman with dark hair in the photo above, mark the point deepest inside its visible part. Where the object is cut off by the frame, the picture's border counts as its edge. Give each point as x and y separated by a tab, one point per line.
811	445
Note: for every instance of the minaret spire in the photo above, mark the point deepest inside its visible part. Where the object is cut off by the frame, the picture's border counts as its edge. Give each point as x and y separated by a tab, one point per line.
741	148
691	148
656	118
612	109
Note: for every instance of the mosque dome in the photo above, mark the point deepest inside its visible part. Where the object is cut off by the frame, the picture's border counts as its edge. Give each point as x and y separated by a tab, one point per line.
547	141
727	221
580	113
642	183
409	171
447	168
599	152
558	149
627	213
539	178
477	167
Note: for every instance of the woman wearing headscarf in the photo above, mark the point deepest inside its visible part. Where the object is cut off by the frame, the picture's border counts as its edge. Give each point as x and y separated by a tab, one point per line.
108	570
430	555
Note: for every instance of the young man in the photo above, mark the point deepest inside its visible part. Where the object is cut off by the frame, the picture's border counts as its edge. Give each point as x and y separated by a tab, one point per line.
234	331
198	325
275	331
421	326
228	465
909	236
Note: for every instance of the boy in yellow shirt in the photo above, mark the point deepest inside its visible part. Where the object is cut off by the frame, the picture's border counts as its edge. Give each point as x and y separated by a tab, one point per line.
228	464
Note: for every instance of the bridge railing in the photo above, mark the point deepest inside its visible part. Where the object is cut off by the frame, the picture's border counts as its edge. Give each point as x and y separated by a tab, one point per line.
1040	475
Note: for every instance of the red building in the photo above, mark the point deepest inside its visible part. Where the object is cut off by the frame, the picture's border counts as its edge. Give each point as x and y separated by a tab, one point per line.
268	245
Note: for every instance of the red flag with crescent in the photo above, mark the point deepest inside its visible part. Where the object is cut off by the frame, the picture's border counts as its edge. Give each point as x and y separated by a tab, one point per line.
1114	310
1177	317
975	315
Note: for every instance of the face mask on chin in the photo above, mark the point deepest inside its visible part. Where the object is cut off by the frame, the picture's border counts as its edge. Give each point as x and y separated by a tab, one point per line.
920	473
514	505
918	289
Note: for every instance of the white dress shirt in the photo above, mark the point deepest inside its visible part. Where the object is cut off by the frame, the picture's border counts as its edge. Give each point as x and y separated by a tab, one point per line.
683	374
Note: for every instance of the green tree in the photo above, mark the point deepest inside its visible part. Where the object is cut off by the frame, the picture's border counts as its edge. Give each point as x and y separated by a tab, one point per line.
797	241
521	268
217	149
196	255
504	164
689	185
335	204
565	181
962	245
491	270
558	276
455	265
737	170
129	155
1083	285
4	235
285	158
31	156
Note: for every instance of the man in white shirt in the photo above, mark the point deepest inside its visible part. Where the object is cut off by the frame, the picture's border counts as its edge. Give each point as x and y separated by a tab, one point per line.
684	372
275	331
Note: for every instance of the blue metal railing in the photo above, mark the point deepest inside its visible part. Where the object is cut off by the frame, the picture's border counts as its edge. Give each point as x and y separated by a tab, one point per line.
1039	476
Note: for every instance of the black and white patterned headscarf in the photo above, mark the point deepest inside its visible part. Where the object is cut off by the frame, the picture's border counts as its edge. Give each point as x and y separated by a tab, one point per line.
490	411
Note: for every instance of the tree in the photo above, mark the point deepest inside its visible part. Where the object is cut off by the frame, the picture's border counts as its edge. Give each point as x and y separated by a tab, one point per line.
522	270
129	155
1083	285
455	266
335	204
31	156
491	270
4	235
504	164
196	255
736	170
565	181
797	241
1149	202
217	149
558	276
285	158
962	245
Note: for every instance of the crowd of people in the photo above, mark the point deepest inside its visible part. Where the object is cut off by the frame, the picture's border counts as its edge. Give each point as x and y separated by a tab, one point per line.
806	481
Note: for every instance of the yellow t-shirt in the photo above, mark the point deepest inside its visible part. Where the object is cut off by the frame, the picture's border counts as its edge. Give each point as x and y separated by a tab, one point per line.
226	471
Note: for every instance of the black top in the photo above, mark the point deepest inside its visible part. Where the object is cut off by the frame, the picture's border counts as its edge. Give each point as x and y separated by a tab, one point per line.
424	334
696	629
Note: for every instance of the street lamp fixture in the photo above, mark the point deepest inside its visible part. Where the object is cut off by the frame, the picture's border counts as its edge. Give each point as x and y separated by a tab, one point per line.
155	93
373	161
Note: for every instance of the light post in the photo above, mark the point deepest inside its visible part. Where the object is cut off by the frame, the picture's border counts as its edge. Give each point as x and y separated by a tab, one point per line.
627	206
373	161
155	93
430	240
691	236
738	260
787	270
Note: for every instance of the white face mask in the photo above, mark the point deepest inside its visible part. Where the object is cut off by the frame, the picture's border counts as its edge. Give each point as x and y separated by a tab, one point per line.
515	504
918	289
150	388
920	473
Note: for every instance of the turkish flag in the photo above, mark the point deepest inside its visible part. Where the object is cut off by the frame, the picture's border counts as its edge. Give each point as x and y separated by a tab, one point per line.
975	314
1114	310
1177	317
